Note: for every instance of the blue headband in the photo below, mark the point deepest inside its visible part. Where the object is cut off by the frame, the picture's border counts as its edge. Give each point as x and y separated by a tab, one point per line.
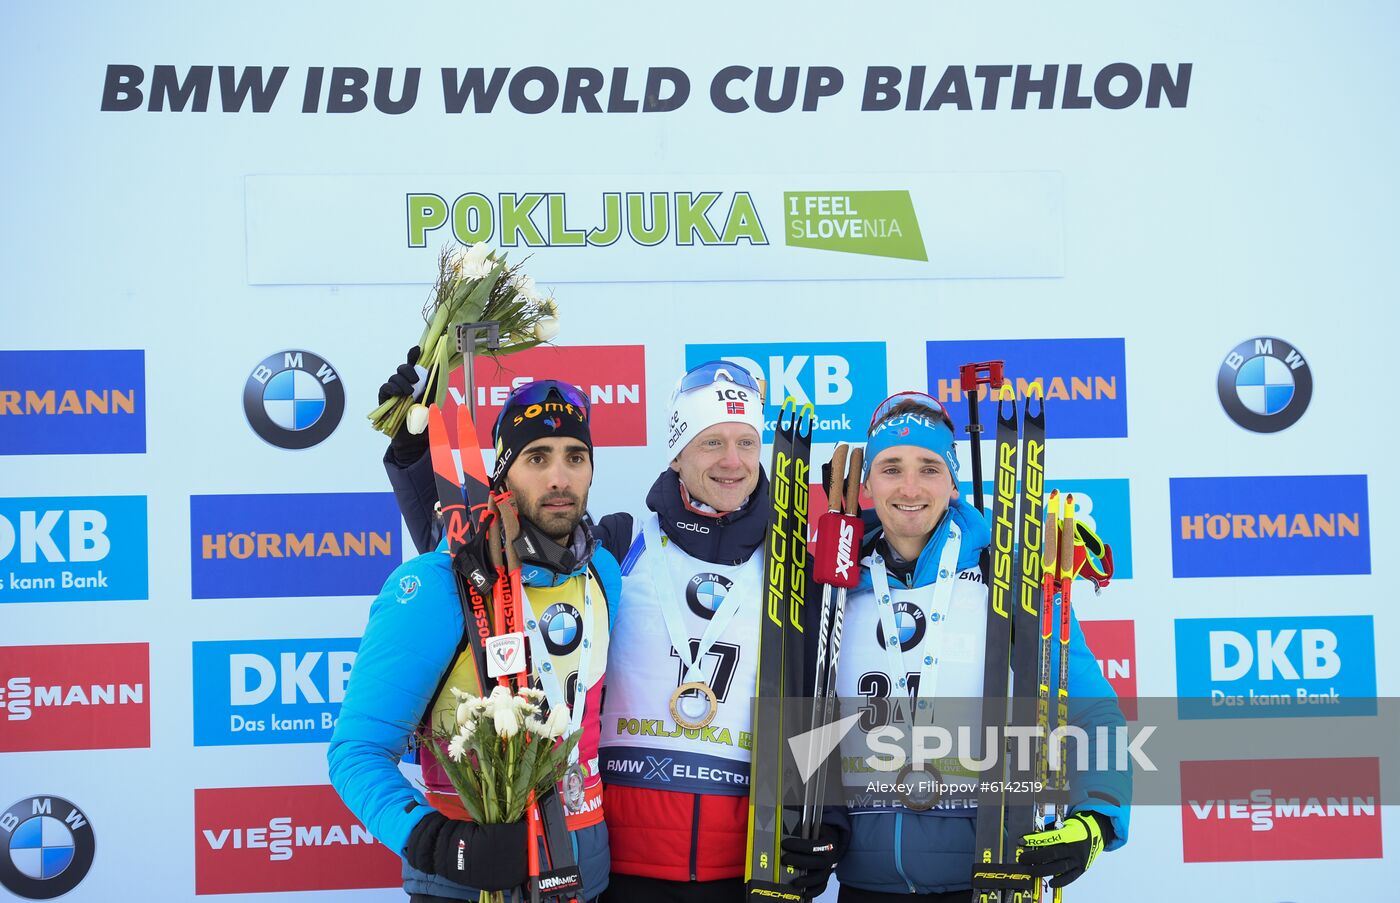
912	429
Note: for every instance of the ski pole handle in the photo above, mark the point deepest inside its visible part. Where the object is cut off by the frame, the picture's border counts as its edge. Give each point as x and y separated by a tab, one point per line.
970	376
1066	550
493	533
851	502
837	487
510	518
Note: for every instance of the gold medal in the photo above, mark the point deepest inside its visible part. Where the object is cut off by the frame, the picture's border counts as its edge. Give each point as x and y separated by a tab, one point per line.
697	709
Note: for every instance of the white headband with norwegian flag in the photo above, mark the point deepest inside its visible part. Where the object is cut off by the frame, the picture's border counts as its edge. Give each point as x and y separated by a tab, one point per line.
697	410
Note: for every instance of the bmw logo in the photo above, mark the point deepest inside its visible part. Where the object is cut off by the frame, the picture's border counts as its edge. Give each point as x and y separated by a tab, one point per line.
1264	384
46	847
705	592
293	399
561	628
909	622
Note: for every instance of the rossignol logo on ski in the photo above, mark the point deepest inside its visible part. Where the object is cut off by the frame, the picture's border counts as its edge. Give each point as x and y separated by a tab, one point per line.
1274	526
505	654
1264	384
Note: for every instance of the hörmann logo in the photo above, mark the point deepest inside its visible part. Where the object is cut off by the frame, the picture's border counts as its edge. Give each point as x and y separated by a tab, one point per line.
1085	378
1285	667
306	544
1275	809
274	839
1257	526
845	380
613	376
546	219
75	697
72	402
269	691
88	548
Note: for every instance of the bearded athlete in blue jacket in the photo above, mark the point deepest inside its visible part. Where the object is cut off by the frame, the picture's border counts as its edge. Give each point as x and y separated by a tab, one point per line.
415	652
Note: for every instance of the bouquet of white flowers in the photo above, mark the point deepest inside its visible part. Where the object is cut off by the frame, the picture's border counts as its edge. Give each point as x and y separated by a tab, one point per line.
501	753
474	284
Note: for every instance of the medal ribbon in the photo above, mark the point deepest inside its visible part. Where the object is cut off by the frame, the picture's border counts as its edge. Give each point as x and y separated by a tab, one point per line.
932	643
745	588
549	677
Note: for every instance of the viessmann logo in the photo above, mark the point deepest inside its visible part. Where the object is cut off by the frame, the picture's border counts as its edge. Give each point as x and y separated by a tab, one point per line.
269	691
1255	526
72	402
85	548
1275	809
273	839
1085	379
612	376
74	697
299	544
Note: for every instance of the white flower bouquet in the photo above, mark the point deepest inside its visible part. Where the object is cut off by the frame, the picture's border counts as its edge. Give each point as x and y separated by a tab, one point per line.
474	284
500	751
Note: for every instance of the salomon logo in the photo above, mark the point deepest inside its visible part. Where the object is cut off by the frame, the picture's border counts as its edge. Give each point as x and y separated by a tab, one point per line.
693	528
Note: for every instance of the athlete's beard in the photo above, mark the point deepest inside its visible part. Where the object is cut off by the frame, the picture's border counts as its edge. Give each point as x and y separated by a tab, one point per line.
556	523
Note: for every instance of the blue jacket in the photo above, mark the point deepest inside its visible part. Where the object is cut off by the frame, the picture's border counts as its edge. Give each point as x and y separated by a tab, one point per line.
908	851
411	640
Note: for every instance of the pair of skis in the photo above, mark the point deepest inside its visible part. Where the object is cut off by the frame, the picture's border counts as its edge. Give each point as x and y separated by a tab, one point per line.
772	815
1014	573
468	507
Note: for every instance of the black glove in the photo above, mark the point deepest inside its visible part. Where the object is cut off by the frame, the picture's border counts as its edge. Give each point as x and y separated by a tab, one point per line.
817	858
404	446
473	562
1067	851
486	857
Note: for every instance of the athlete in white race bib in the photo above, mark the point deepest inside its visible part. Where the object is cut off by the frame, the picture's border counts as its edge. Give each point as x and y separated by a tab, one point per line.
914	634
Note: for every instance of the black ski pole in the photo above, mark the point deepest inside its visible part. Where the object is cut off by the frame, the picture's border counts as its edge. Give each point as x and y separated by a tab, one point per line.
970	377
